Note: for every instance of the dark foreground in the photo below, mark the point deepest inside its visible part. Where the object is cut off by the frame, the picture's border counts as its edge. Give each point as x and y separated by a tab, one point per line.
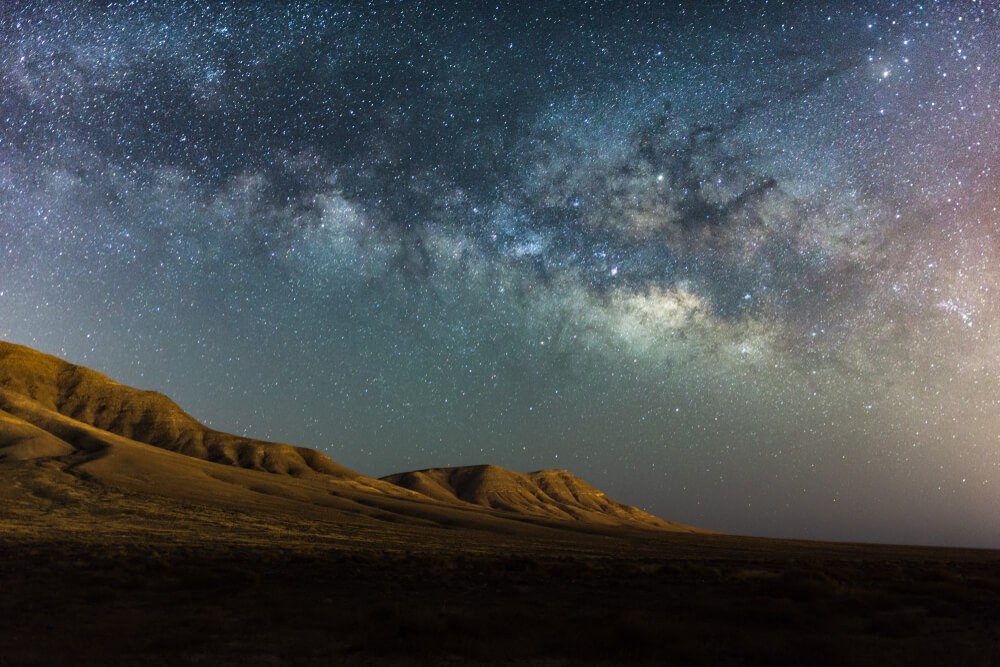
263	598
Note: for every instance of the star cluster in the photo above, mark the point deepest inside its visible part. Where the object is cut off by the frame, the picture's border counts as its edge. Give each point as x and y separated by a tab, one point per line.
734	262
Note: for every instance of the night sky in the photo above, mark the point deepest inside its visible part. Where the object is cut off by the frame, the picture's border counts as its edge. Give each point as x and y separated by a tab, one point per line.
733	262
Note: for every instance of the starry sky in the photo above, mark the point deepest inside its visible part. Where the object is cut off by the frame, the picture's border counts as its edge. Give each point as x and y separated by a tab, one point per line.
733	262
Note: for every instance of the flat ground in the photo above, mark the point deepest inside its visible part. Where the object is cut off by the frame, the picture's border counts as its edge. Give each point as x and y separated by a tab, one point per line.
134	581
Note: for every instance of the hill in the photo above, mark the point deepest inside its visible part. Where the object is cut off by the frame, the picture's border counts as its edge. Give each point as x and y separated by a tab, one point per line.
553	494
33	384
67	431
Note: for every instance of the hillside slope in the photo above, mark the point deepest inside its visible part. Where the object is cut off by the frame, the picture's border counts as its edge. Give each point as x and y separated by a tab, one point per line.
144	416
70	436
554	494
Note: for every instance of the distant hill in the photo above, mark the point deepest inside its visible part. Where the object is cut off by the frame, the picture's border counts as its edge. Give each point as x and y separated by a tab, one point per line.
554	494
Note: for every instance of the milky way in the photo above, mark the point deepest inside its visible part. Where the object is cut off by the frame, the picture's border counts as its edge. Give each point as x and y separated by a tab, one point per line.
733	262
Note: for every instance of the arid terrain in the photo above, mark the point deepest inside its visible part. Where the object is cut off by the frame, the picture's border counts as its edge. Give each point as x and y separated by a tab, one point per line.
130	534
